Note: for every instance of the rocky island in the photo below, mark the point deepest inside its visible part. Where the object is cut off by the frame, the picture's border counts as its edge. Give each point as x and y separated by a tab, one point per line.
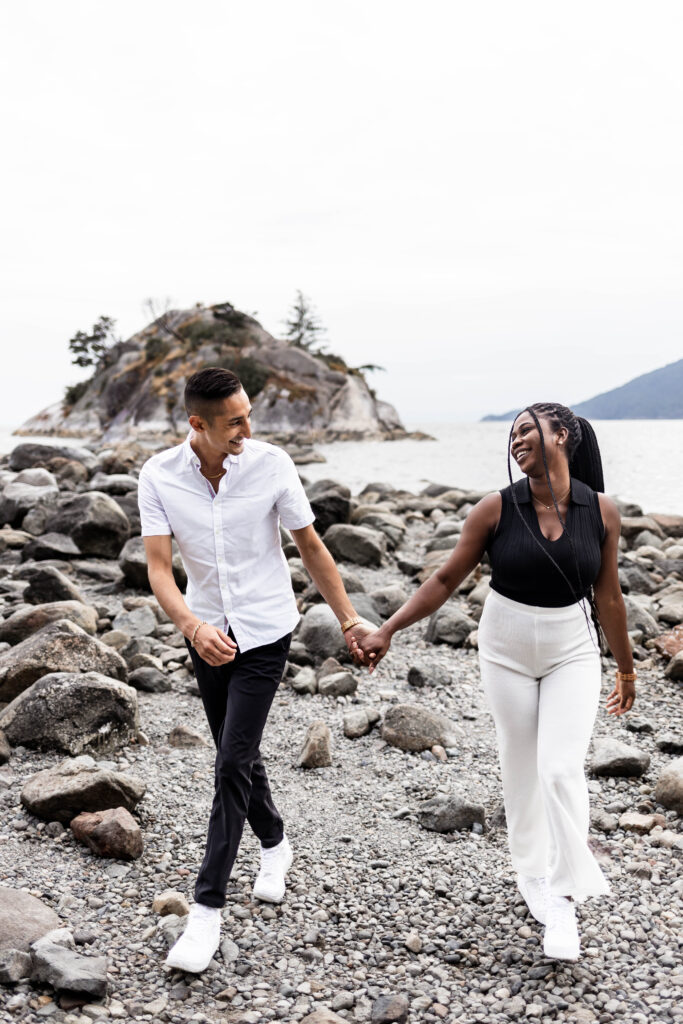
401	902
136	390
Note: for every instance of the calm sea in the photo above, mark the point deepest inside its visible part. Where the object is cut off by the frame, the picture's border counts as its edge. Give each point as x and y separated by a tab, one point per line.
643	459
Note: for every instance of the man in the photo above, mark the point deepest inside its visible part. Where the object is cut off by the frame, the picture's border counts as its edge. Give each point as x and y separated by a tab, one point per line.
222	496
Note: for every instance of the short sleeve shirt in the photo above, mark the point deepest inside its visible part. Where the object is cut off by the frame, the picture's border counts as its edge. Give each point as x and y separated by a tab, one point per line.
229	540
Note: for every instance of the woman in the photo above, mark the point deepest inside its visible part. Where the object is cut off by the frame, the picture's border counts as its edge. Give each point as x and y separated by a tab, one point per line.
552	541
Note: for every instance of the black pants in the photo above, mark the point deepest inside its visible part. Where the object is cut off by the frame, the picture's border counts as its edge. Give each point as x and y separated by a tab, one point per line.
237	698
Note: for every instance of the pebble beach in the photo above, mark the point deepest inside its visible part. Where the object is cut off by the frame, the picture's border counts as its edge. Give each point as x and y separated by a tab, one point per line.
386	918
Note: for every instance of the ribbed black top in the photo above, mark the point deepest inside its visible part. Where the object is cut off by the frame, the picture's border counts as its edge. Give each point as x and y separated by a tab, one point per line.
519	568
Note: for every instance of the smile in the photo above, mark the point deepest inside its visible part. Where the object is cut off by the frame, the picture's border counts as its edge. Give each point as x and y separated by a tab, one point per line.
521	455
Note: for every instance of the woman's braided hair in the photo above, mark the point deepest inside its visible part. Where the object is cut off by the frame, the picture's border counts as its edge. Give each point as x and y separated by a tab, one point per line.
585	464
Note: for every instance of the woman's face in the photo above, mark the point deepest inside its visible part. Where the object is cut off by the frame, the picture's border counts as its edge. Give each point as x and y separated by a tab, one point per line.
525	444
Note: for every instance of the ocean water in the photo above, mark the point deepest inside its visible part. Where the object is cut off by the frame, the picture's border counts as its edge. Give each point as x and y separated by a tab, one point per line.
643	459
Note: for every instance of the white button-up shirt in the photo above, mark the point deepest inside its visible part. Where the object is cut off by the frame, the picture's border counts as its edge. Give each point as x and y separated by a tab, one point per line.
229	540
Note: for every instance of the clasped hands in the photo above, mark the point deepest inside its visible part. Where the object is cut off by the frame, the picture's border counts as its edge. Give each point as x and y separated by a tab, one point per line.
367	644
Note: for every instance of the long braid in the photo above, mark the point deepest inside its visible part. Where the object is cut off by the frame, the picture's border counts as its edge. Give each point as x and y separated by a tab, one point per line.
577	436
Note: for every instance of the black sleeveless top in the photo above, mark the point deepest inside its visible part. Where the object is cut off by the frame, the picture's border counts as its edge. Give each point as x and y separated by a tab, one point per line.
519	568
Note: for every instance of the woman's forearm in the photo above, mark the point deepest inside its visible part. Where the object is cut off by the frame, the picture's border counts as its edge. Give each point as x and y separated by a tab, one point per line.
425	601
612	617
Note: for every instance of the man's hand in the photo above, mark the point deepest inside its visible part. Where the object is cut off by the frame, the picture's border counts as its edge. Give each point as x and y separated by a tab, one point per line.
213	646
370	647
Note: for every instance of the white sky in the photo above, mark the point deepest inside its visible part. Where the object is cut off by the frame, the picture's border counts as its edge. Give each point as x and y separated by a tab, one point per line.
485	198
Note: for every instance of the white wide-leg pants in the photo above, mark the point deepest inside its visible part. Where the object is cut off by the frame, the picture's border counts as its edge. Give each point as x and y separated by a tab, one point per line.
540	669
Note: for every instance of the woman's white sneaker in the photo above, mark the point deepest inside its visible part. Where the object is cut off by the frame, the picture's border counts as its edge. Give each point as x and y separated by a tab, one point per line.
535	894
270	881
195	948
561	939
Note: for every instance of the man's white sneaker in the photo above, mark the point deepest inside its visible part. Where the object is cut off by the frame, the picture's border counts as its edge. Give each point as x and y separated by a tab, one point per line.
535	894
198	943
270	881
561	940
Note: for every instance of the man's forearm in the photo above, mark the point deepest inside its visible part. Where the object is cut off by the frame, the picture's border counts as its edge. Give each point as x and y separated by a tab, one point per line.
172	601
324	573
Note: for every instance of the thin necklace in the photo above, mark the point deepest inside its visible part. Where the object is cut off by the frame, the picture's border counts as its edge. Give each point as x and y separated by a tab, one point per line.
216	475
559	501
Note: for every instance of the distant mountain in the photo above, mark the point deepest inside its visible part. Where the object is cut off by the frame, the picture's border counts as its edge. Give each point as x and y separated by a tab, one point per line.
657	395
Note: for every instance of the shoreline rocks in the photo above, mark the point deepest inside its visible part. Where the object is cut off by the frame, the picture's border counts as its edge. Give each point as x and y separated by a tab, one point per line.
401	898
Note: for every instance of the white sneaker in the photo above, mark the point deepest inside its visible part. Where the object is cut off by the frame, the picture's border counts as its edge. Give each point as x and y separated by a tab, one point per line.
198	943
535	894
270	881
561	940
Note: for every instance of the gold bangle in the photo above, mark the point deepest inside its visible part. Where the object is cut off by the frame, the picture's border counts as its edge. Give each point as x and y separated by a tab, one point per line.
627	677
350	622
196	629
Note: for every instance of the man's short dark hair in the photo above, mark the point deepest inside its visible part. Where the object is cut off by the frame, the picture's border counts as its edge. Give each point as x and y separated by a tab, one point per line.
205	389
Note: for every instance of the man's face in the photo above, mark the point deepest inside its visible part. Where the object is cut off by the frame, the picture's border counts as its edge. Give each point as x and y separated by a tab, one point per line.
227	431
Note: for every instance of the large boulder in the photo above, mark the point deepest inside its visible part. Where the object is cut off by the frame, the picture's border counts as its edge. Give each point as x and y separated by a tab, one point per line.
411	727
61	646
612	757
137	622
110	833
50	545
669	789
36	478
46	583
670	643
133	563
27	621
631	526
449	625
358	544
96	523
391	525
23	456
17	499
337	684
671	525
23	919
113	483
674	670
65	790
73	711
671	609
330	507
150	679
638	619
389	599
320	633
451	813
68	971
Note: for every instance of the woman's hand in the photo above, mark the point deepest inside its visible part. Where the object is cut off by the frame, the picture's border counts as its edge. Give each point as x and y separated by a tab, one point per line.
214	646
372	646
622	696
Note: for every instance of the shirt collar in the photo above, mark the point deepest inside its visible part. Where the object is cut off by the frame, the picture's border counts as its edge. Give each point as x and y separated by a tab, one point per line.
192	459
580	494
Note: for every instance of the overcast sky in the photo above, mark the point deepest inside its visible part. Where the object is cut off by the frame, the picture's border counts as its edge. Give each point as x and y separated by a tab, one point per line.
484	198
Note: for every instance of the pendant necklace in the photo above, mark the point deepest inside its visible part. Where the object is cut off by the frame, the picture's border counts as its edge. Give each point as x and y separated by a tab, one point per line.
548	507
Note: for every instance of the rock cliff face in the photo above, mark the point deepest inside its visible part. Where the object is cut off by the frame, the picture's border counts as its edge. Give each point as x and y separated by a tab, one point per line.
136	391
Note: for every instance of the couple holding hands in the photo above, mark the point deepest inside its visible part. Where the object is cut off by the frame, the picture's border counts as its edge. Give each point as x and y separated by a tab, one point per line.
552	541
